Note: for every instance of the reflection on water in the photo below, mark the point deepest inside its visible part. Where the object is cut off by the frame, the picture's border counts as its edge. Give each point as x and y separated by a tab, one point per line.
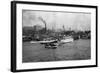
77	50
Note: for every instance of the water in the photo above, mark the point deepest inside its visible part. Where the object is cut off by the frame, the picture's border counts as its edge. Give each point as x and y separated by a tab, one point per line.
77	50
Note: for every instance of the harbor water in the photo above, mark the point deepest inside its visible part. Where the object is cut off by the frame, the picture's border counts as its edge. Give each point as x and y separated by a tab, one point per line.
76	50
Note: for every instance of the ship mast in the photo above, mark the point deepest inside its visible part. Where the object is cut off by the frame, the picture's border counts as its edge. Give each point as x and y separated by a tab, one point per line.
64	28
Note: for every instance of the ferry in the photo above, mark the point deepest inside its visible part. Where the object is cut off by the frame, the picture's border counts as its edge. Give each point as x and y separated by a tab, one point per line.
67	39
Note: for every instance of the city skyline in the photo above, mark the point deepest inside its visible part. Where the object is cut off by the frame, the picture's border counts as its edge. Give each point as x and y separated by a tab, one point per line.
56	20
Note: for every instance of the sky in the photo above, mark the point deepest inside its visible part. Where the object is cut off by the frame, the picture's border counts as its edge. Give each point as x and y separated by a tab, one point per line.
56	20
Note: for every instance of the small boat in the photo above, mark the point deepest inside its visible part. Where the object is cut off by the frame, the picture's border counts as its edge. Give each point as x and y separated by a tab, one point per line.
48	43
67	39
51	45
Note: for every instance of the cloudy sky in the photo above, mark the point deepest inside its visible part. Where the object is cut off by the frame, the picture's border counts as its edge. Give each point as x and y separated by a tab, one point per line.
75	21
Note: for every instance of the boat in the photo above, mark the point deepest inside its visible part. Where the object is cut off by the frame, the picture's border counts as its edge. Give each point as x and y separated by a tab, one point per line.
44	42
67	39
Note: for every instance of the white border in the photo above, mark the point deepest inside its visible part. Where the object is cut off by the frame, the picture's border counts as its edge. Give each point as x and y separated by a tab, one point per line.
21	65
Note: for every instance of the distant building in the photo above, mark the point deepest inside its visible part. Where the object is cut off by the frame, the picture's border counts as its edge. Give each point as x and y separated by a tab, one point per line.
37	27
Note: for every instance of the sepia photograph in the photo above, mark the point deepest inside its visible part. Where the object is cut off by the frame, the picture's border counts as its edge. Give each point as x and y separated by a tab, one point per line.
55	36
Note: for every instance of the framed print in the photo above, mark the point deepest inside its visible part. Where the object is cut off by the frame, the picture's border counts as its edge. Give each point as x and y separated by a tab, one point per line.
47	36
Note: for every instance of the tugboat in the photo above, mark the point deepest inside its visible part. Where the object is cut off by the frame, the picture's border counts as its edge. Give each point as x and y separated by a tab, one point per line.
52	45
